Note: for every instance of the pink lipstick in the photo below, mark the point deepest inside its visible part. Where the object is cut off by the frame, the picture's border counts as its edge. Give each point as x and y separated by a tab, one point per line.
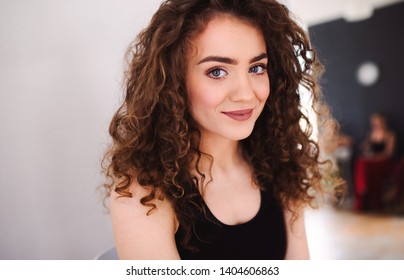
239	115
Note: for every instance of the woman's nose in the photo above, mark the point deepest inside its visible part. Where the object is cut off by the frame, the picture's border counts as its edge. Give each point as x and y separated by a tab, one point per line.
243	89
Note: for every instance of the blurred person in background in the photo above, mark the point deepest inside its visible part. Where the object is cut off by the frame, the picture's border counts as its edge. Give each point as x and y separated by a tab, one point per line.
373	170
380	142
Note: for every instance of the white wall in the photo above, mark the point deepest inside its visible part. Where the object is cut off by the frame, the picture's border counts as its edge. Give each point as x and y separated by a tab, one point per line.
60	81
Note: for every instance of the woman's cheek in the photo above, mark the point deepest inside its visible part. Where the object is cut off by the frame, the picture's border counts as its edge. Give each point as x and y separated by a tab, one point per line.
263	90
209	96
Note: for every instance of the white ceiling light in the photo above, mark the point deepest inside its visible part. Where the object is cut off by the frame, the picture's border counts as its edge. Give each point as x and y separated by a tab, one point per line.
368	73
356	10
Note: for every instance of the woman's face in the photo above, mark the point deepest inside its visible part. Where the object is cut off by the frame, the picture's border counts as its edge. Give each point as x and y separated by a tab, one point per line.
377	121
227	81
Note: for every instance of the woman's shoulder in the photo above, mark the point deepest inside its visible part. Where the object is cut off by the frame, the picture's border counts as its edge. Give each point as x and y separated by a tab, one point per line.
158	205
139	228
391	134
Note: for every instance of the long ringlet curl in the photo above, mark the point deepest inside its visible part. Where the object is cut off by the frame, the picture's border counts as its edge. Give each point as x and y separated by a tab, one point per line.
155	139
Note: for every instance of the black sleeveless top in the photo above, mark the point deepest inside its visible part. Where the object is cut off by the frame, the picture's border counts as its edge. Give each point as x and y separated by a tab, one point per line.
261	238
377	147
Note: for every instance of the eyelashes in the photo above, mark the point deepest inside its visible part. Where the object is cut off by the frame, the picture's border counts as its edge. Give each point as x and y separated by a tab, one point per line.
258	69
220	73
217	73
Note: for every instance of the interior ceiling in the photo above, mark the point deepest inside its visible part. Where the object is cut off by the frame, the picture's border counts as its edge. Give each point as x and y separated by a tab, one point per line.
312	12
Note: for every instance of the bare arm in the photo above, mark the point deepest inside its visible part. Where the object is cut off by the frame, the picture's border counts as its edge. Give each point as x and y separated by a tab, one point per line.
366	147
141	236
297	248
390	143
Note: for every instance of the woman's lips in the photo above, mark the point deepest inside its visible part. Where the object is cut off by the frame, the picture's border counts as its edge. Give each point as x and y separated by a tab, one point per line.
239	115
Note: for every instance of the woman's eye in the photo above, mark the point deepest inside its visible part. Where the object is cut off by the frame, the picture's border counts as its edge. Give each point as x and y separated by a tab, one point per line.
258	69
217	73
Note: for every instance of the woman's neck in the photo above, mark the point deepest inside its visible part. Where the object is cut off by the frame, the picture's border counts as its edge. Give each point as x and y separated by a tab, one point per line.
226	154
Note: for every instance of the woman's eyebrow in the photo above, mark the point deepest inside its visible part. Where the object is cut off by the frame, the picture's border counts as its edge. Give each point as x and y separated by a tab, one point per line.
258	57
229	60
226	60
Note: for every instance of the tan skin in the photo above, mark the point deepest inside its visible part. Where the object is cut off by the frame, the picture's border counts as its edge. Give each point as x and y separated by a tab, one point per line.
379	133
217	88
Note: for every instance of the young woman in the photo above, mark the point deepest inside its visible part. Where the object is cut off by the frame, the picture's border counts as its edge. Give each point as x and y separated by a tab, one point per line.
379	145
374	170
209	160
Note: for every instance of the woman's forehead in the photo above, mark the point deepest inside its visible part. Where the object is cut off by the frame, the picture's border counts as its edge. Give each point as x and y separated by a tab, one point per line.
228	36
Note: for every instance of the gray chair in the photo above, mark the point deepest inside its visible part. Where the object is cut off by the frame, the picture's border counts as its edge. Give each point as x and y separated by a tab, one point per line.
110	254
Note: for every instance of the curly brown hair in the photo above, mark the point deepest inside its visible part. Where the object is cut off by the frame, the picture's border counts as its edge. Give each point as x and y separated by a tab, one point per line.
155	139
